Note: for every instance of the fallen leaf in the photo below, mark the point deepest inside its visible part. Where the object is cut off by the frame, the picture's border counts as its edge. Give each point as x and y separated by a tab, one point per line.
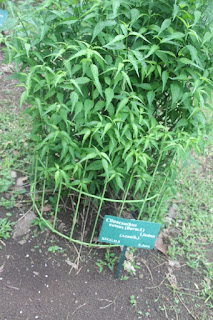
172	280
20	181
160	245
13	174
15	152
22	241
70	263
129	267
46	209
173	264
172	212
128	255
23	225
208	281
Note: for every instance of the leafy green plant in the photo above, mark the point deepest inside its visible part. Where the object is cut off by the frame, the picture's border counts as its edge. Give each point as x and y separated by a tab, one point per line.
39	224
109	261
133	301
7	203
5	228
54	249
6	181
2	4
116	91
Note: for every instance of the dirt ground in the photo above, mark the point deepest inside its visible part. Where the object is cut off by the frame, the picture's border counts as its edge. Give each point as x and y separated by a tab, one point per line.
38	284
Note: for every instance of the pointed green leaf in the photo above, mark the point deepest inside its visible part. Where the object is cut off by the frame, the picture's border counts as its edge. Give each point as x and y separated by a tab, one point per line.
118	38
100	26
175	92
106	128
165	77
109	94
164	26
94	70
150	97
126	77
122	104
74	99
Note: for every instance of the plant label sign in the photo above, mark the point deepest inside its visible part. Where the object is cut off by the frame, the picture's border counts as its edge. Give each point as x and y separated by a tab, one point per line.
131	233
3	17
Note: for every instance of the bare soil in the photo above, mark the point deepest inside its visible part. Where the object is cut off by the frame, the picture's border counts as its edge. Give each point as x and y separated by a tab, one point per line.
38	284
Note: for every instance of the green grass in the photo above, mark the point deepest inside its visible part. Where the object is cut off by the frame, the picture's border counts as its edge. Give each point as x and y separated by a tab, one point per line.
14	160
14	147
194	221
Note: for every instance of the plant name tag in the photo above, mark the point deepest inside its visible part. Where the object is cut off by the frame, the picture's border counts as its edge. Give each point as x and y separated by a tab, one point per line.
3	16
131	233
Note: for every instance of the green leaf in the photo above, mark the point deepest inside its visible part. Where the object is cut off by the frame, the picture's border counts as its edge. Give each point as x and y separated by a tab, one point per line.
187	61
175	92
164	26
122	104
119	182
165	77
100	26
181	123
152	50
86	135
74	99
115	5
194	54
150	97
105	166
118	38
94	70
109	94
78	54
174	36
91	155
88	105
106	128
82	80
126	77
134	62
23	98
76	85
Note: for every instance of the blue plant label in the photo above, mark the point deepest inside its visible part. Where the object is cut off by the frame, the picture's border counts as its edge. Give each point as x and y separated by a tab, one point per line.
130	233
3	16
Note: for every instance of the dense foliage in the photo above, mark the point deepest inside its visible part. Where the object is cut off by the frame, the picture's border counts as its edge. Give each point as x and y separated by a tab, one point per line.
116	88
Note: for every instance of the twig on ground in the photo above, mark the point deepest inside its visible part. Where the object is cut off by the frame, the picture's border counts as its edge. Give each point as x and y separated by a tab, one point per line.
81	306
11	287
109	304
79	270
193	316
24	215
155	287
2	242
165	311
145	263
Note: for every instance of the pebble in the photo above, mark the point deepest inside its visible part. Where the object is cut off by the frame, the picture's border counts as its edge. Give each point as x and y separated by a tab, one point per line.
140	276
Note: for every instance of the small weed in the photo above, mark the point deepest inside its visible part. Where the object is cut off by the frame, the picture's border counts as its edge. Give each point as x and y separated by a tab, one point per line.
39	224
124	278
6	180
54	249
5	228
8	204
109	261
133	301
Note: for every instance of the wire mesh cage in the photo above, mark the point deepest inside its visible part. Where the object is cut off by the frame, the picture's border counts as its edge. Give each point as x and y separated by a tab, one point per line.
78	214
